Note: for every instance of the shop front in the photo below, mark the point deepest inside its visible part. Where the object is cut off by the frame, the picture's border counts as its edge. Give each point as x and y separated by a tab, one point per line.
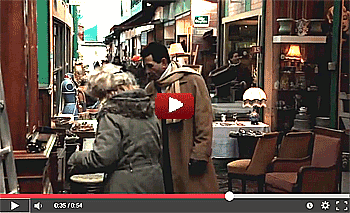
241	53
305	66
241	56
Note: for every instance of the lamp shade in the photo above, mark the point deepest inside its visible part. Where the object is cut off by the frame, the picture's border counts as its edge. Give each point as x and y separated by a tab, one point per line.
254	96
176	48
294	51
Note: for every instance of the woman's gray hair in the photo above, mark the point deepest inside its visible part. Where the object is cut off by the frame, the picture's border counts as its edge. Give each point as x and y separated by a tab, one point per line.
105	84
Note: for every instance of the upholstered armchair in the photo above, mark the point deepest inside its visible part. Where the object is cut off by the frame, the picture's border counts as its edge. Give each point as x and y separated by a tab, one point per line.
255	168
320	173
295	145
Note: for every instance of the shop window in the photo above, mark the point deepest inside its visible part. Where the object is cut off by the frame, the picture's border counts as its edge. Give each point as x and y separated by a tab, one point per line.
182	6
61	60
239	72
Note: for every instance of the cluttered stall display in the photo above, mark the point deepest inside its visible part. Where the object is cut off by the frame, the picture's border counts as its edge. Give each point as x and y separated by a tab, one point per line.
77	118
49	148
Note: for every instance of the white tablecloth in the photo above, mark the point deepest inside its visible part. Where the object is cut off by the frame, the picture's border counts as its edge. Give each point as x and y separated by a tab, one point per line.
226	147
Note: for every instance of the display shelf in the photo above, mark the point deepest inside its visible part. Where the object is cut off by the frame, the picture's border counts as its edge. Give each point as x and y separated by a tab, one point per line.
289	109
300	39
297	90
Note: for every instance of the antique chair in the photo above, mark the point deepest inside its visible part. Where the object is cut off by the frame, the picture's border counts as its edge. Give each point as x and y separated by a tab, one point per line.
295	145
255	168
317	174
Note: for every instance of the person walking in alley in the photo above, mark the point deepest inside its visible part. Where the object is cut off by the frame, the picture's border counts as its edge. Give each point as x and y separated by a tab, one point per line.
187	164
128	144
138	71
97	65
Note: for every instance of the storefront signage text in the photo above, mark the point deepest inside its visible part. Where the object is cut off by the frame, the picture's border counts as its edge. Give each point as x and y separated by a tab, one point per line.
201	21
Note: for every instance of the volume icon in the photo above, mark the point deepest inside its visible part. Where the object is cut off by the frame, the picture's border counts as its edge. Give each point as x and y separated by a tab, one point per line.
38	206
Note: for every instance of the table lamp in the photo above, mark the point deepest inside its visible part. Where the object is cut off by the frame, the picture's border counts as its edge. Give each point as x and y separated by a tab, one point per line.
254	97
294	53
175	50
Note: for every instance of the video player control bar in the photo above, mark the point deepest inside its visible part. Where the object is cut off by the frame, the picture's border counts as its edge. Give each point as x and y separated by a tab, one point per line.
175	205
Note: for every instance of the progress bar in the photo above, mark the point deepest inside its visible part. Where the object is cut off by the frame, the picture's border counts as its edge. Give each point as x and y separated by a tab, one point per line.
175	203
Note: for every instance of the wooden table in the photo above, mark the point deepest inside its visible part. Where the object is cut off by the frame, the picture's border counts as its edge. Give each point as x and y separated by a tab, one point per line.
84	134
246	145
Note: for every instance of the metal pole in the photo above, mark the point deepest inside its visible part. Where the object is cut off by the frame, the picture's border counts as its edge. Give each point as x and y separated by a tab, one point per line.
333	66
219	40
76	32
262	44
26	60
261	58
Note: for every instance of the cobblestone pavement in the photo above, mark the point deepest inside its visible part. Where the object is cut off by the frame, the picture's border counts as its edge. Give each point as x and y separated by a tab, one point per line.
252	187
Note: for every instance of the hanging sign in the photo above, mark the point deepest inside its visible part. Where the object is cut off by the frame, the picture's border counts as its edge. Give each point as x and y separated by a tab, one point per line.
201	21
125	10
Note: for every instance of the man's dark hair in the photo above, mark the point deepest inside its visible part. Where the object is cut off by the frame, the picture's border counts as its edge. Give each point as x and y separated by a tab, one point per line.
230	54
157	50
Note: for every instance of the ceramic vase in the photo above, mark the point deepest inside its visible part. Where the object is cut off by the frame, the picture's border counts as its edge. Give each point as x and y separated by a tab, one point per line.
286	26
254	117
316	26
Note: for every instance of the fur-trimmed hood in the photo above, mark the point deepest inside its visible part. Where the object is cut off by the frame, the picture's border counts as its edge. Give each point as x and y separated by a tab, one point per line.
133	103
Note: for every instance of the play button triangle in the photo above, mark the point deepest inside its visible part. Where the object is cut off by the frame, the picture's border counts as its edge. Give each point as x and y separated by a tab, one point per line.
174	104
13	205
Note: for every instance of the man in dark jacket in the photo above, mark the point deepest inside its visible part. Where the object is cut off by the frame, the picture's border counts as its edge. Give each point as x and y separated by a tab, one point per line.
234	75
187	164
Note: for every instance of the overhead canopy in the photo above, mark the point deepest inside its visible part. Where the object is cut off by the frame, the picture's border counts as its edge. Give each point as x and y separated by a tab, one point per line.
160	3
109	38
143	17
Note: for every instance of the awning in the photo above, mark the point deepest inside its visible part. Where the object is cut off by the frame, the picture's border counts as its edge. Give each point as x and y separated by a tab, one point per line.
145	16
109	38
160	3
141	18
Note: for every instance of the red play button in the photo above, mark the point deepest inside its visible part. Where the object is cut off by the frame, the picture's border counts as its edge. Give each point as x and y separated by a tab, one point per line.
174	105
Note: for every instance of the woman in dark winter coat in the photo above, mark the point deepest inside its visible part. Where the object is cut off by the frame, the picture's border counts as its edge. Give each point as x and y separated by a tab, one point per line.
127	146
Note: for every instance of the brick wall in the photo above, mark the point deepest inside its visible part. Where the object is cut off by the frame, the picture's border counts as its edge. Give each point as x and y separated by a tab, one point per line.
256	4
237	8
61	11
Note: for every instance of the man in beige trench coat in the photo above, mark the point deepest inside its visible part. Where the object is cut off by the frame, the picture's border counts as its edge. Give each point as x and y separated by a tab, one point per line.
187	164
